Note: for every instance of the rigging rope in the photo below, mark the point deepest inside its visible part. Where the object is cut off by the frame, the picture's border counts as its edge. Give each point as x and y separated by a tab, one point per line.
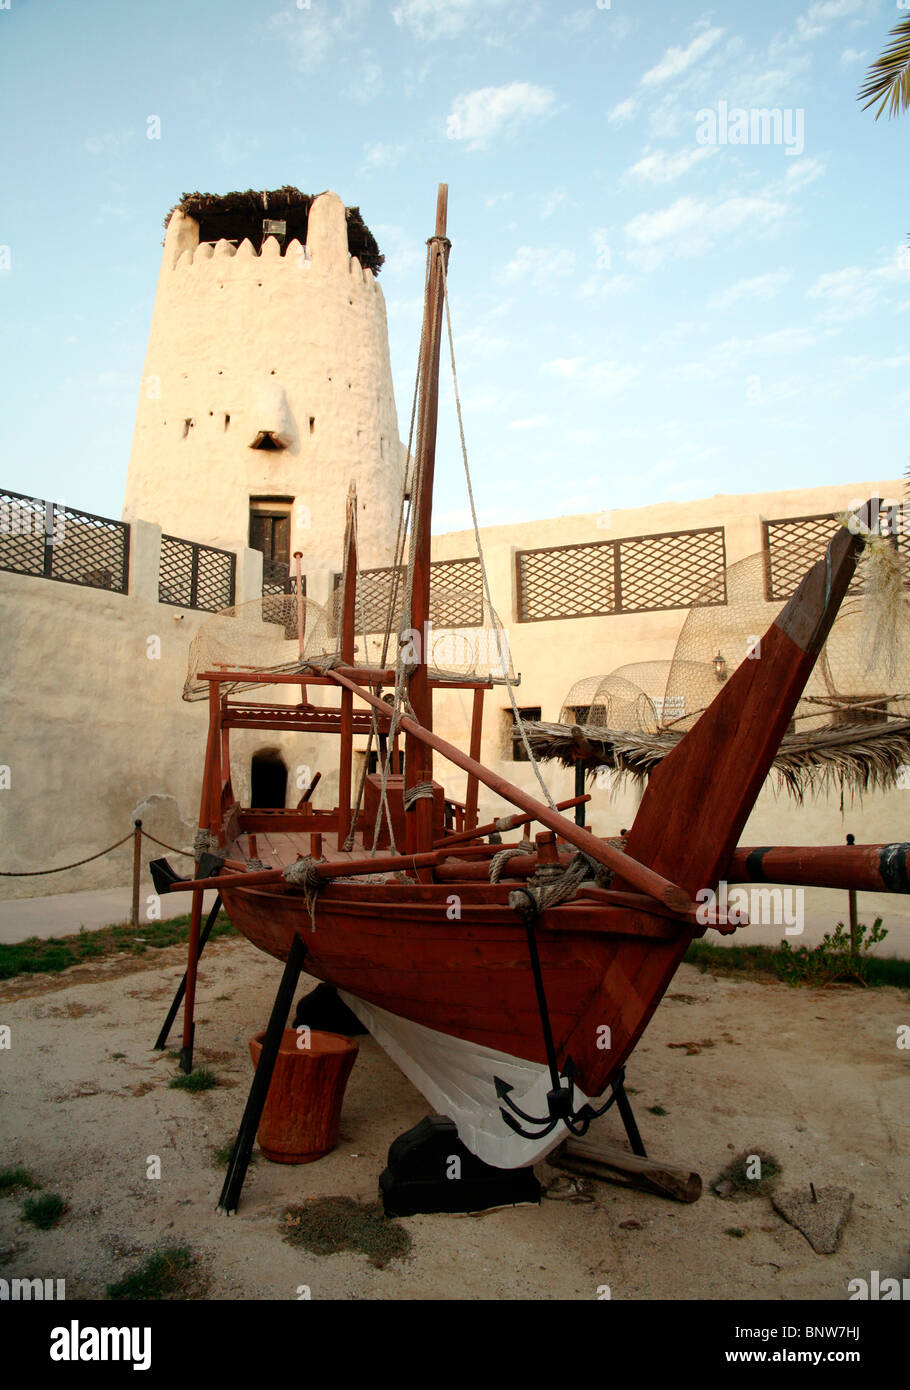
483	569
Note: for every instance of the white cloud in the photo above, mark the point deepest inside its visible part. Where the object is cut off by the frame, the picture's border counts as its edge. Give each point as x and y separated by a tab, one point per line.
855	291
690	226
381	156
439	19
803	172
755	287
820	16
477	116
677	60
853	55
563	366
533	422
368	83
309	35
602	286
551	202
539	265
607	378
623	111
113	142
657	166
782	340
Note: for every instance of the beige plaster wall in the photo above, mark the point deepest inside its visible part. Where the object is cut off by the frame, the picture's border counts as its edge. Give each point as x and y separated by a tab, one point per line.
273	342
551	656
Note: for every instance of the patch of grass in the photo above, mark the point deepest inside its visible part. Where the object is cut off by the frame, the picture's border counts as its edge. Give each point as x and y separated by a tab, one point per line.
736	1231
735	1180
172	1273
16	1180
831	961
33	957
202	1079
327	1225
657	1110
45	1211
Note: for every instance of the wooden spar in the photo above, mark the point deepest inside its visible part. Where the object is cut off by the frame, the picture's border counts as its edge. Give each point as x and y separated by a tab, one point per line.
369	675
298	557
862	868
470	801
418	758
633	872
493	826
347	868
347	654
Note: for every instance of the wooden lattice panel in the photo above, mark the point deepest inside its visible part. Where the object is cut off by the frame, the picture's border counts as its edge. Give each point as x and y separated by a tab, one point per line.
569	581
456	595
636	574
680	569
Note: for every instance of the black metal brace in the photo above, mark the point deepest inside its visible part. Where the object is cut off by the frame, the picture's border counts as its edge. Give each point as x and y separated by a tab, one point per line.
560	1097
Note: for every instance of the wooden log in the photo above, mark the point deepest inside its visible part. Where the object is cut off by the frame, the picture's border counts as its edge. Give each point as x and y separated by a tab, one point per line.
595	1157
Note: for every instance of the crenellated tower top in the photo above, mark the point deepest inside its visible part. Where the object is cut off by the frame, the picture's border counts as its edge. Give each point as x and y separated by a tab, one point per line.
267	385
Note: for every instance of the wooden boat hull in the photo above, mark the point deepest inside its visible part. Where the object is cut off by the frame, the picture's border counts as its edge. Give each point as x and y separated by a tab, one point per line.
394	946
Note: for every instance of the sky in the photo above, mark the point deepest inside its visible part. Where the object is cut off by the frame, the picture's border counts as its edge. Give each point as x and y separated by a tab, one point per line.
680	263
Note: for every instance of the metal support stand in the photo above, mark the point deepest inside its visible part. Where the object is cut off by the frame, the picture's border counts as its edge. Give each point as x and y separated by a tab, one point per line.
161	1040
624	1106
246	1135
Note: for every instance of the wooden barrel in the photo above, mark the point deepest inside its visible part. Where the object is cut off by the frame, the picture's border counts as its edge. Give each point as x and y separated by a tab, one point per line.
303	1109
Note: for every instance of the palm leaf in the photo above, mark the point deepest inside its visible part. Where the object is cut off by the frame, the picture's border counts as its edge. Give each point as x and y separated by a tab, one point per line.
888	79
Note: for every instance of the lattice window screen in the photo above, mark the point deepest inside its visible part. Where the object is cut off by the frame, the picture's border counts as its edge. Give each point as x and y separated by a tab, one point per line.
456	595
793	544
635	574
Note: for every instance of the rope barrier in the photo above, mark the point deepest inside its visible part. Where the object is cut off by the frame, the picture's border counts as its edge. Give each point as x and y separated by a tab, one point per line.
36	873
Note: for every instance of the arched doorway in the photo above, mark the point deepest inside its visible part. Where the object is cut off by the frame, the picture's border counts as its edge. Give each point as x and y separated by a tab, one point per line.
268	779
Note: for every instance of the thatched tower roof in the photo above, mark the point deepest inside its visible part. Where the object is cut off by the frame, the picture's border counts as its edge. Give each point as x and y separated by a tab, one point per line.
238	215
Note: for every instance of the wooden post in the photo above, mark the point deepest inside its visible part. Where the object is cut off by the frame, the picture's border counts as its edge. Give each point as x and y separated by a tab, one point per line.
851	902
298	556
579	791
470	801
137	869
347	654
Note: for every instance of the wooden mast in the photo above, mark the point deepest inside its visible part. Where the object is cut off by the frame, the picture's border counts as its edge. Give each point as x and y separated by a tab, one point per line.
348	598
419	756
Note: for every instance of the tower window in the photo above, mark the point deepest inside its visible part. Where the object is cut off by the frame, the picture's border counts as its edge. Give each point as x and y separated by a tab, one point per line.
187	426
265	439
227	421
312	424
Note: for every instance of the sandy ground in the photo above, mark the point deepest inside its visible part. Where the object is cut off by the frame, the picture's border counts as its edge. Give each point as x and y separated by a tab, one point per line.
812	1076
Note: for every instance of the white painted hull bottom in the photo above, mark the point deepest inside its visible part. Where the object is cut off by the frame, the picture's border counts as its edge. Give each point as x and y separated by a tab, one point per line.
457	1079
